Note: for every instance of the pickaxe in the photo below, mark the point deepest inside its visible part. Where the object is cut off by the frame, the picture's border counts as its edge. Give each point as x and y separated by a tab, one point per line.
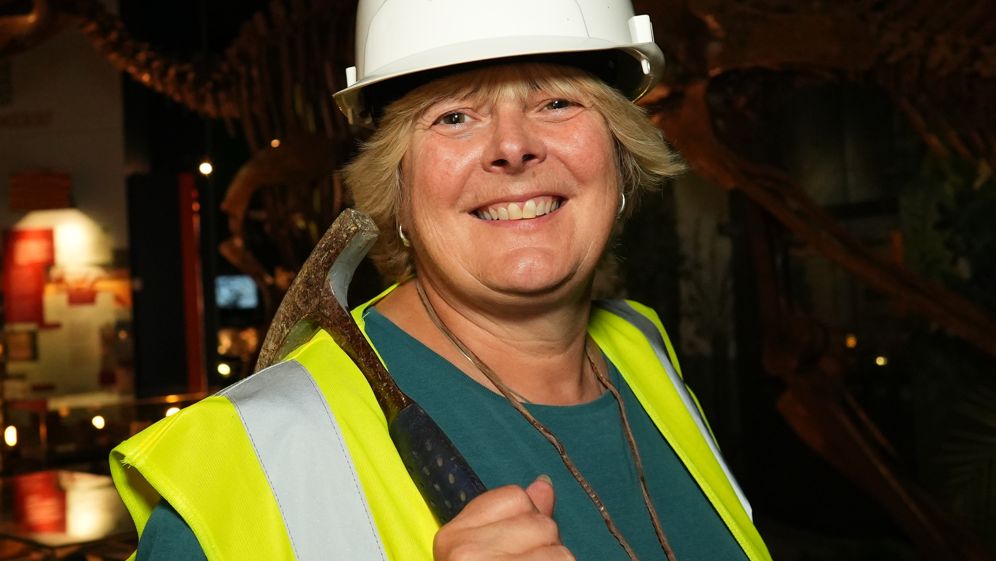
317	299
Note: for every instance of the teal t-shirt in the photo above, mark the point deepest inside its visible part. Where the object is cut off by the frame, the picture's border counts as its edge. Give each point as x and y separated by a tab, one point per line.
504	449
168	538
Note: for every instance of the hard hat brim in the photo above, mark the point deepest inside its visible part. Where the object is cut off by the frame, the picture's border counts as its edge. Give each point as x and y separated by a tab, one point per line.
635	68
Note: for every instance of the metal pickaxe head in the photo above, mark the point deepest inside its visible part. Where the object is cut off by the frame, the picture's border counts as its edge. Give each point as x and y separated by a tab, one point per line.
328	271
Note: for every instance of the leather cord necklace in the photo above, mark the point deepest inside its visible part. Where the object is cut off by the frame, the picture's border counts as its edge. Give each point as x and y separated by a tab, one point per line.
517	402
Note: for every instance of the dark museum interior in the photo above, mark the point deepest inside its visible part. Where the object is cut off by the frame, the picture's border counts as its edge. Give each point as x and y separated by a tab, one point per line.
826	265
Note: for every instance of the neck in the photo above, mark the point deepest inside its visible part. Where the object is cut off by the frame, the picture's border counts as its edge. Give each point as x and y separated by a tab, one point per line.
537	351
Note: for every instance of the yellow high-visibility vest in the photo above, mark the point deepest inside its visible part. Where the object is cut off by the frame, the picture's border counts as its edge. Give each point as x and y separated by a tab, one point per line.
295	462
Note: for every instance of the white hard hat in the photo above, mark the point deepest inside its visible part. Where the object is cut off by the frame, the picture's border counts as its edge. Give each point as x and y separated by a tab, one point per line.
397	39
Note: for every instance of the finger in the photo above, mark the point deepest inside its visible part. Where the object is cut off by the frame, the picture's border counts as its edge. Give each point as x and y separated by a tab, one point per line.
515	536
542	495
532	530
548	553
495	505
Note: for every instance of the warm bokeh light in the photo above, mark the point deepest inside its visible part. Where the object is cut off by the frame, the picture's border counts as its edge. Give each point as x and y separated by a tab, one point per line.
172	411
98	422
10	436
172	398
72	237
205	168
224	369
275	143
79	240
851	341
881	360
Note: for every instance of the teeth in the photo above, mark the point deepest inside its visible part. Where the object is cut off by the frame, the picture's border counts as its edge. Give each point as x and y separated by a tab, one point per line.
532	208
529	209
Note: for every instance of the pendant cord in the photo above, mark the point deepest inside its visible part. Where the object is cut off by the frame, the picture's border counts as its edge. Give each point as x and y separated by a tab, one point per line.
628	431
516	401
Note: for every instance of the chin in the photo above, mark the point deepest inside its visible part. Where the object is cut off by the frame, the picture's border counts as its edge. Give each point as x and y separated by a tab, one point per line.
530	279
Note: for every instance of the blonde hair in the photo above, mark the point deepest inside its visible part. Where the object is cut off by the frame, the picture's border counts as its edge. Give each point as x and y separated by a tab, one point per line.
375	176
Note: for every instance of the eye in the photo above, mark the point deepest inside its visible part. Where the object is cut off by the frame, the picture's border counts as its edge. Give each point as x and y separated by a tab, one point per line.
560	104
453	118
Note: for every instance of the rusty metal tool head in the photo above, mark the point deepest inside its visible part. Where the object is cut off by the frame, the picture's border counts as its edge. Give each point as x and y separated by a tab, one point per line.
317	299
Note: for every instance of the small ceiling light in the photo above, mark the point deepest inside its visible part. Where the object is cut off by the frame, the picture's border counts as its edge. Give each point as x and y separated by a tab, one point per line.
224	369
10	436
98	422
275	143
172	411
851	341
205	168
881	361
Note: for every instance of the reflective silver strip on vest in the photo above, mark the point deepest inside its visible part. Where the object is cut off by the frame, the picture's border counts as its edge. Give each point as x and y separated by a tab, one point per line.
303	454
622	309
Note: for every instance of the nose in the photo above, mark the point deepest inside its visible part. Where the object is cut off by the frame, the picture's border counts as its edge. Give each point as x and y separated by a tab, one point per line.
515	145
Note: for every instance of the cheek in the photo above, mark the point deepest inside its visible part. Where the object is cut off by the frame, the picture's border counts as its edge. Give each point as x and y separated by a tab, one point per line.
588	143
437	174
594	160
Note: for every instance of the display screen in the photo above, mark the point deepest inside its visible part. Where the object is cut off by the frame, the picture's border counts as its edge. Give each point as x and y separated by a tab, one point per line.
235	292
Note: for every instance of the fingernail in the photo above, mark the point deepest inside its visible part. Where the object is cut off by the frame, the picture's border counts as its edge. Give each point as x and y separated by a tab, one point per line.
544	477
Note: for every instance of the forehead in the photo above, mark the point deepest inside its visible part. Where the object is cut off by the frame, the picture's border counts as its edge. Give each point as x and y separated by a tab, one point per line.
505	82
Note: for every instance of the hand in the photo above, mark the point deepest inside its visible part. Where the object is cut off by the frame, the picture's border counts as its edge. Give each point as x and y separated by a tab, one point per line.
508	523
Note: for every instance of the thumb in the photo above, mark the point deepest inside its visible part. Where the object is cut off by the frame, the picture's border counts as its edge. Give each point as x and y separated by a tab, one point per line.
542	495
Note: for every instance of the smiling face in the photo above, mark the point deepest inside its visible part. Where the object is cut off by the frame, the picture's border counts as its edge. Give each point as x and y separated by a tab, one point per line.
510	188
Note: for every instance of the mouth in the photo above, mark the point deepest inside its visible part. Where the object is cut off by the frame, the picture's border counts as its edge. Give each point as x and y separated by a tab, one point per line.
521	210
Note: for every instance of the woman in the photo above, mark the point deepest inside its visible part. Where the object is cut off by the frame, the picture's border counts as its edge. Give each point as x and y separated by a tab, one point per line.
498	187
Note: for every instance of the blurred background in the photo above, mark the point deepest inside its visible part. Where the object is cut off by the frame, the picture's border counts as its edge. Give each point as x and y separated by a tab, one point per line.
826	267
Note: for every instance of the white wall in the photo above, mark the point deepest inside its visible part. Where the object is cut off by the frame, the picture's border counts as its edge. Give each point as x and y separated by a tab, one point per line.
78	93
73	98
